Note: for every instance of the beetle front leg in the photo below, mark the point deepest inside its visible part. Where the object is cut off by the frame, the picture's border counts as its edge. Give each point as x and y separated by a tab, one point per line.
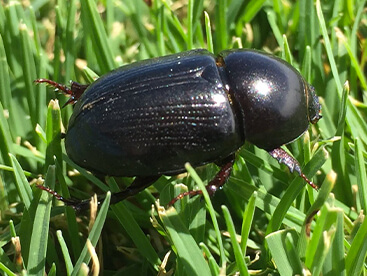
216	183
284	158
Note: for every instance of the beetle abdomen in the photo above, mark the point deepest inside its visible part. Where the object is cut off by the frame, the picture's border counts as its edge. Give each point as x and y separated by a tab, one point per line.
151	117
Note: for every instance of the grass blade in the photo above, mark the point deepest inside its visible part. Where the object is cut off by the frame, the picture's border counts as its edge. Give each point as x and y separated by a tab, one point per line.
39	232
283	247
210	209
29	73
361	173
240	260
93	236
354	262
65	253
130	225
23	187
184	243
247	221
94	27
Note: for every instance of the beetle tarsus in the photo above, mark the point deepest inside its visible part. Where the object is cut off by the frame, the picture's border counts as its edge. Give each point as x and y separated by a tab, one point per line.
67	201
215	184
284	158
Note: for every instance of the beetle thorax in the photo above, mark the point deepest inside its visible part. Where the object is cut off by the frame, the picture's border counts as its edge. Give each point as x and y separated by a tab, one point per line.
270	95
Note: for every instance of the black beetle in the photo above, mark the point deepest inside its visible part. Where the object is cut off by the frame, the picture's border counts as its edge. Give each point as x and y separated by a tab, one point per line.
149	118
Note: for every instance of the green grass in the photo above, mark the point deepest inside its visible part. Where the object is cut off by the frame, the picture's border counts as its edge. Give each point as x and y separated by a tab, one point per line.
265	219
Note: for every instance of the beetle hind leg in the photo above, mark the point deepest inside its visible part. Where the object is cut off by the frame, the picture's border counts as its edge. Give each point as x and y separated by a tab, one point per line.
215	184
139	184
75	90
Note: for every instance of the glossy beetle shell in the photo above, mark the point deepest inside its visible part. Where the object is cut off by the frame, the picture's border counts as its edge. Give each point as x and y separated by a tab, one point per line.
151	117
272	96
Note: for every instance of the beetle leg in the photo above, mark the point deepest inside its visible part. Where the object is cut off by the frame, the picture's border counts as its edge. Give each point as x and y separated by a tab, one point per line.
216	183
139	184
67	201
78	205
283	157
222	176
75	90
